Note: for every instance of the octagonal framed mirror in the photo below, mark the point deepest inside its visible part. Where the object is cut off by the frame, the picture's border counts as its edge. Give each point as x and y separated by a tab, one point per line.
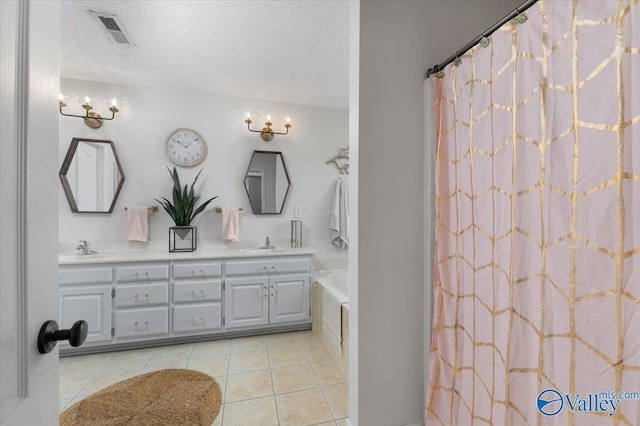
91	175
267	182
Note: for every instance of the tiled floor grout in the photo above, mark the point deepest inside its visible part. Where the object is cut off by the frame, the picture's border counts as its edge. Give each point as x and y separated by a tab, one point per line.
95	373
271	345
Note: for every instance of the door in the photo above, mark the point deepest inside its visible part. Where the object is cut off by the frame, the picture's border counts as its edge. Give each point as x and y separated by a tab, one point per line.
289	298
29	82
86	178
246	301
255	182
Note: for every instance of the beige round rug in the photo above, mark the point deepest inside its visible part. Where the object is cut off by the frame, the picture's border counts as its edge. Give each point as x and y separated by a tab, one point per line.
165	397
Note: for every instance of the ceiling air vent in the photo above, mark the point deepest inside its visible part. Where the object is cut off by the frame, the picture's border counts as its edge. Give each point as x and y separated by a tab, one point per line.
112	26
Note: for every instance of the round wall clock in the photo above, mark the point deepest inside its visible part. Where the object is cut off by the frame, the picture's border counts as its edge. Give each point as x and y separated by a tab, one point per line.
185	147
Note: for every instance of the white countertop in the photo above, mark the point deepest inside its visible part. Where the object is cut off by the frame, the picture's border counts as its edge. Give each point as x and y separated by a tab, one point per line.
199	254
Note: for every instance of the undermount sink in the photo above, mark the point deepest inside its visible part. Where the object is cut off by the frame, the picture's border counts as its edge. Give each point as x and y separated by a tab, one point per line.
263	250
82	256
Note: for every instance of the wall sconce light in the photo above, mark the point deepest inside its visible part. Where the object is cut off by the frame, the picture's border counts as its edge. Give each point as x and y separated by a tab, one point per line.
267	132
91	119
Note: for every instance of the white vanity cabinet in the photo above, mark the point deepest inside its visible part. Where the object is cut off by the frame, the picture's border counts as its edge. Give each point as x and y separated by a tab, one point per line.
197	297
246	302
281	294
289	298
141	301
85	294
178	298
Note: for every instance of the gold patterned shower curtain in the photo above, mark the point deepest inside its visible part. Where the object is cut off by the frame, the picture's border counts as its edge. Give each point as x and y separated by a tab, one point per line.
537	264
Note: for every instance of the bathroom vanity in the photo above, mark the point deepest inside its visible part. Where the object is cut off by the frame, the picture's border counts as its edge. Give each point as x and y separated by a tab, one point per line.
140	299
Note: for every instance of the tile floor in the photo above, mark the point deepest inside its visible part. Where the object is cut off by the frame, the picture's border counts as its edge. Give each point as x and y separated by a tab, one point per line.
286	379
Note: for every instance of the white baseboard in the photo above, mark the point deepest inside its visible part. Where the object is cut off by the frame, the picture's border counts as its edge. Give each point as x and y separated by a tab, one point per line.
347	422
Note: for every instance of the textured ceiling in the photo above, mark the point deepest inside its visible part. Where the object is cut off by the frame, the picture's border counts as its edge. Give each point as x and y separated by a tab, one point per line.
287	51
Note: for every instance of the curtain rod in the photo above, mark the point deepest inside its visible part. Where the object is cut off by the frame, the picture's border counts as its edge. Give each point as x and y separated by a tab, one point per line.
518	10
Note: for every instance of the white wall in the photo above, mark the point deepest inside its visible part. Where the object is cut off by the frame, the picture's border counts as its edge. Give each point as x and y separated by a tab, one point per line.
139	131
398	42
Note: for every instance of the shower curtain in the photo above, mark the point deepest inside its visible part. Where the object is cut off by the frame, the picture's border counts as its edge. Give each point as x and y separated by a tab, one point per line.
537	253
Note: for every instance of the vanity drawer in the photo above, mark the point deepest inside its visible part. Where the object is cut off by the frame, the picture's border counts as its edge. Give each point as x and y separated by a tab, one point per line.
142	322
200	317
264	266
142	273
197	291
85	276
142	294
197	270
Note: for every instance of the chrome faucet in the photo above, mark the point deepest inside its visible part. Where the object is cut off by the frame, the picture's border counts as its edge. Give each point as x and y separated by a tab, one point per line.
267	244
85	248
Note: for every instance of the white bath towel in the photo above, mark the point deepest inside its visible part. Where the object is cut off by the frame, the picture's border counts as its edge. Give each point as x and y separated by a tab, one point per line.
332	301
138	223
230	225
339	216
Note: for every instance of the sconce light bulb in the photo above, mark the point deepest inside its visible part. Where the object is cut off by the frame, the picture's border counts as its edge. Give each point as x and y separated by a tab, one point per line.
60	97
87	99
268	118
114	102
288	120
248	115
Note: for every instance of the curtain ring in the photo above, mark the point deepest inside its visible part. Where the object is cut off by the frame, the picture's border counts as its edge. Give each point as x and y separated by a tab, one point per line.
484	41
438	73
457	61
520	19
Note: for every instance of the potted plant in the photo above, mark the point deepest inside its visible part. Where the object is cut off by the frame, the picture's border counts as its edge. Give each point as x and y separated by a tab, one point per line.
183	236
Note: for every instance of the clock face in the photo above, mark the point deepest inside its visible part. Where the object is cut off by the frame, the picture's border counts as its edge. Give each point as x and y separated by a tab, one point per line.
185	147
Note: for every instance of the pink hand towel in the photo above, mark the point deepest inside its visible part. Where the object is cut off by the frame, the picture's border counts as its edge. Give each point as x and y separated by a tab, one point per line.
230	225
138	223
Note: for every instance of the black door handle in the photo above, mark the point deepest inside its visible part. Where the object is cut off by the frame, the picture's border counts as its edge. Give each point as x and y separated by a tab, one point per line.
50	334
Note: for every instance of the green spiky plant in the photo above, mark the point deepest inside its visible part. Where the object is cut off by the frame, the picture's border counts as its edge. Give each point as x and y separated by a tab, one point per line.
183	209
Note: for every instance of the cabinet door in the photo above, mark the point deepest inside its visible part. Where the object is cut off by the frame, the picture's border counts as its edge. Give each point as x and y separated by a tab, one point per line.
91	303
289	298
246	302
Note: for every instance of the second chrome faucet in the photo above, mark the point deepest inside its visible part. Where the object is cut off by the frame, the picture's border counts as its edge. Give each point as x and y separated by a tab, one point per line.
85	248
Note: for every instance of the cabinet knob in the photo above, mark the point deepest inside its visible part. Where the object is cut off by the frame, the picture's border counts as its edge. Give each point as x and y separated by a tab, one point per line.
266	269
146	274
271	294
137	298
136	275
273	268
202	271
50	334
266	295
193	272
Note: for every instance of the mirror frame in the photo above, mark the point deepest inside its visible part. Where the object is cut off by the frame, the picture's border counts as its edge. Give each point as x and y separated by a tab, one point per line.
65	168
286	173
